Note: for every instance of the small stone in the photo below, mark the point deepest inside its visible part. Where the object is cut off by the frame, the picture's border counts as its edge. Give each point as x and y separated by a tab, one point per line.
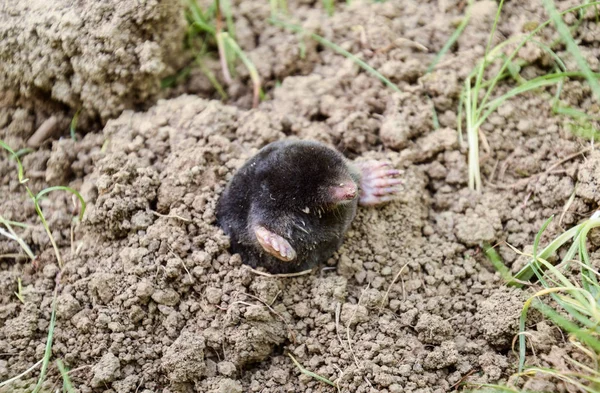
144	290
405	370
50	271
184	359
395	388
106	370
257	313
229	386
168	297
441	357
302	310
101	286
226	368
433	329
472	230
67	306
141	220
354	313
136	314
213	295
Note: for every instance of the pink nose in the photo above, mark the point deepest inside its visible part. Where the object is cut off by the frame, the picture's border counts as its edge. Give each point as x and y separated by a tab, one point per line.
345	191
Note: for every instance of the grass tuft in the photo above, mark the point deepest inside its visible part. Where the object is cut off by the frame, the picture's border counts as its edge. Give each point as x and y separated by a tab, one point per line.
36	198
210	24
569	299
572	47
474	110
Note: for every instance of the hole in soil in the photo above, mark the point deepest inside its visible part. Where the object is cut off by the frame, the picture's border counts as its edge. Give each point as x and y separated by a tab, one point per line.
154	204
319	117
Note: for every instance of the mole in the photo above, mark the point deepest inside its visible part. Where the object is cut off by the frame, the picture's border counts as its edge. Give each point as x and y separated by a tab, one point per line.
288	208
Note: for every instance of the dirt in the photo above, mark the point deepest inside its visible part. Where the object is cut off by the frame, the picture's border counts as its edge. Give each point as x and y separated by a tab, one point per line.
100	58
150	299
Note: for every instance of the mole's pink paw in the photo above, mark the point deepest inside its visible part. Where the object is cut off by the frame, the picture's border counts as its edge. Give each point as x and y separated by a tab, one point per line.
379	183
274	244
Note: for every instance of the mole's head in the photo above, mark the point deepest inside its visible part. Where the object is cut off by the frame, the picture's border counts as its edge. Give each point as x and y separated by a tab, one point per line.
309	175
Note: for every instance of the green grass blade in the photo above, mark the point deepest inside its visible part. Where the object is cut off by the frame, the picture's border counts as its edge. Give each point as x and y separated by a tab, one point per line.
528	270
249	65
496	260
536	83
67	384
561	64
63	188
530	85
203	27
434	115
48	351
582	334
20	169
338	49
523	42
226	8
212	78
14	223
483	64
196	11
21	152
538	236
73	125
452	39
329	7
522	329
494	26
572	47
310	373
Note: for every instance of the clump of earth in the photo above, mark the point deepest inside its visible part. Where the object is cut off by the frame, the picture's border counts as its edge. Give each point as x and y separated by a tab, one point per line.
149	297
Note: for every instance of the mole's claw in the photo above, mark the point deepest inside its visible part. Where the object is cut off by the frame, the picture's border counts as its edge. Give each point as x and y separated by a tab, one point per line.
379	183
386	182
274	244
386	191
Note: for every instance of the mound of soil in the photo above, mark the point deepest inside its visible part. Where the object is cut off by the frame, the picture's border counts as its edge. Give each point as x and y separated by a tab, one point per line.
100	57
151	300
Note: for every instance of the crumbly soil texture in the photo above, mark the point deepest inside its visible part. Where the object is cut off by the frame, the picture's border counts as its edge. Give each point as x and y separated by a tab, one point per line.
149	299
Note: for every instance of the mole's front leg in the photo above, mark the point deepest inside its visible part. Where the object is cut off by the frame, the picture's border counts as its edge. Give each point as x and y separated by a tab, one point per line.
274	244
378	183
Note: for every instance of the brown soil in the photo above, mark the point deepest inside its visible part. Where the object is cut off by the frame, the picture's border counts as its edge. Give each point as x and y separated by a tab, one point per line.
151	300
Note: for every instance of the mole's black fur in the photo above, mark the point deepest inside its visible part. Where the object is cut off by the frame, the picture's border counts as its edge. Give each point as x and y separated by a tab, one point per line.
285	188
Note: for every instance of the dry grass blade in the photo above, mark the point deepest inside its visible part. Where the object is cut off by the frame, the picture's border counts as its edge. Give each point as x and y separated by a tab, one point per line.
387	293
17	377
282	275
11	234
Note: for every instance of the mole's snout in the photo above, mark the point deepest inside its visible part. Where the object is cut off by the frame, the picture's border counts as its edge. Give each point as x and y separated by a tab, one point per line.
345	191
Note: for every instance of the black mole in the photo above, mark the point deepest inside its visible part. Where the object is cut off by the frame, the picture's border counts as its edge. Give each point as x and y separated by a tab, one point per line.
288	208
